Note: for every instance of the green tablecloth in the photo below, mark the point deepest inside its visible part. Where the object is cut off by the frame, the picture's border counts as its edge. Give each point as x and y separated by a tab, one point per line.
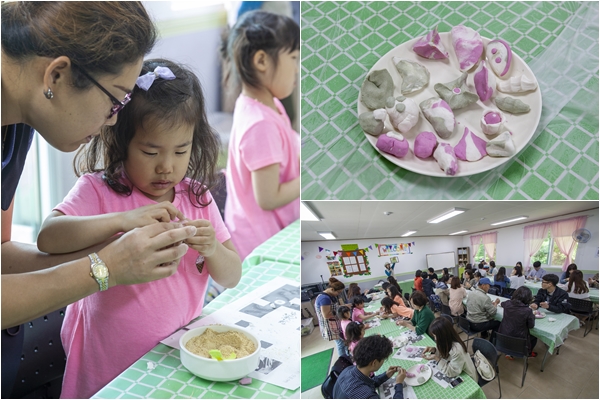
283	247
469	389
170	379
341	41
535	286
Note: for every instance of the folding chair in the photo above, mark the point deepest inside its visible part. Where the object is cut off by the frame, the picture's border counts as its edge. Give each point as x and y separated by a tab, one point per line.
516	347
489	351
584	307
465	326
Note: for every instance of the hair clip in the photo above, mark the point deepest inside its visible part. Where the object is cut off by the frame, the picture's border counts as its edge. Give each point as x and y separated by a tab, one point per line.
145	81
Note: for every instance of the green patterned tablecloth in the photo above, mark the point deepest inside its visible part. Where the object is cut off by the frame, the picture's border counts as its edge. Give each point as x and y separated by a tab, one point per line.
469	389
282	247
535	286
170	379
341	41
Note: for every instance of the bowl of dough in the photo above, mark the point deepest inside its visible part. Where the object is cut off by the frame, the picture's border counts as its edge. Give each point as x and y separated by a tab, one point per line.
219	352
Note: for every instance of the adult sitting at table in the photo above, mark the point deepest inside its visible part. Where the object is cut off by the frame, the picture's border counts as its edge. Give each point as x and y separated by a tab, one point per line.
450	351
442	290
517	279
478	277
354	291
431	274
395	283
593	281
564	277
501	279
578	287
456	295
389	269
369	355
326	306
550	297
518	318
537	272
481	270
395	308
469	279
428	285
492	270
418	282
422	316
481	310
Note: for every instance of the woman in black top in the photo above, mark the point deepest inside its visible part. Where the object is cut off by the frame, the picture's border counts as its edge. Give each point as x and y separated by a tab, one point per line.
518	318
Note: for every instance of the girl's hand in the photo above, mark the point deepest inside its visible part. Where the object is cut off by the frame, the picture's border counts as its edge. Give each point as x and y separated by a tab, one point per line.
205	241
150	214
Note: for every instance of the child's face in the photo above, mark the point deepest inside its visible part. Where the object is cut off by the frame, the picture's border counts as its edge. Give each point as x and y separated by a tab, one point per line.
360	306
283	79
158	158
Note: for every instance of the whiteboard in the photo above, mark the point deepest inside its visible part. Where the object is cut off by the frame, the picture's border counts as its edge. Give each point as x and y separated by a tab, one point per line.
441	260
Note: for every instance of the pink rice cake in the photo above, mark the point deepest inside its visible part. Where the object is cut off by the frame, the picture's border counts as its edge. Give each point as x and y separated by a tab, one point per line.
425	144
446	159
470	147
468	46
393	143
491	122
499	55
485	81
431	46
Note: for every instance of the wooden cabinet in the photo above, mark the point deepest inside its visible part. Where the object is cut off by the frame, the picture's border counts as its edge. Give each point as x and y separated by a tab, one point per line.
463	256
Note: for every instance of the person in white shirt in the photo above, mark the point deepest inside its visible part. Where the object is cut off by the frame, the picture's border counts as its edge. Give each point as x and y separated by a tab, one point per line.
578	287
493	271
516	277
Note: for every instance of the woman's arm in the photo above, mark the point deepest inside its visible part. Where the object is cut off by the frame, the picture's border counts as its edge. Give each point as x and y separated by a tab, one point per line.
269	193
453	365
326	312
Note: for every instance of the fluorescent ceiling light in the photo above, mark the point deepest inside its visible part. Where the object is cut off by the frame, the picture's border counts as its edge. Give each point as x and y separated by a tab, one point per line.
511	220
306	213
448	214
457	233
327	235
408	233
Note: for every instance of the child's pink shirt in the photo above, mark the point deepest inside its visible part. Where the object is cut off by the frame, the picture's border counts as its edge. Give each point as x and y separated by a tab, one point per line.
259	137
357	311
103	334
344	323
351	348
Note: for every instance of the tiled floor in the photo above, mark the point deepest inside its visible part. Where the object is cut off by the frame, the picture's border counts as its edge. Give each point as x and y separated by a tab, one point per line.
571	374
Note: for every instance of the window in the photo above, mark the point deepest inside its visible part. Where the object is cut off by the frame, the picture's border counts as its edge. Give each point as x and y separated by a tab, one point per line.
481	255
354	262
550	254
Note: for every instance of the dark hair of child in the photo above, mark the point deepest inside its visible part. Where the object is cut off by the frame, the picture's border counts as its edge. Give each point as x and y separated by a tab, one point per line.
386	285
372	348
393	290
394	282
418	273
254	31
342	311
353	332
445	336
387	304
167	103
357	300
424	275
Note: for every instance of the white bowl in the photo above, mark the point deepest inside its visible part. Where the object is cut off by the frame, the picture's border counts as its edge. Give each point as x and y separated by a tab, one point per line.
214	370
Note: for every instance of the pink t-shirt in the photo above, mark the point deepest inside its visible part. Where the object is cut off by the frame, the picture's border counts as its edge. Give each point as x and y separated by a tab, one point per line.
103	334
344	323
259	137
357	311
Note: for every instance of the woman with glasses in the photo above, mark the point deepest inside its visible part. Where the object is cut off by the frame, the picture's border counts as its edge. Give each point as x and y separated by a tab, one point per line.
68	68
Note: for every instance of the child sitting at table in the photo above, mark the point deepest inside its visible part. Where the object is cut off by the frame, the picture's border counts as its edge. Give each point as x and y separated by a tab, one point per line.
358	310
393	293
450	352
392	309
422	316
353	333
344	314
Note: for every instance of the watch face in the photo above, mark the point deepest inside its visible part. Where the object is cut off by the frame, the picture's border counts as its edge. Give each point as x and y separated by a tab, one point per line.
100	271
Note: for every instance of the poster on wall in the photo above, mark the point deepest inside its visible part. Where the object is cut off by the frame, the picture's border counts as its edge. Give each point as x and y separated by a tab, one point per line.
393	259
395	249
335	268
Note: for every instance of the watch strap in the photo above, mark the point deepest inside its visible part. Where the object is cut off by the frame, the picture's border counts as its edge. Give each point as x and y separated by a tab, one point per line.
102	282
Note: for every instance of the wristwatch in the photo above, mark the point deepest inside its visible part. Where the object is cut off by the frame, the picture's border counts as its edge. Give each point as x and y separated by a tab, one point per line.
99	271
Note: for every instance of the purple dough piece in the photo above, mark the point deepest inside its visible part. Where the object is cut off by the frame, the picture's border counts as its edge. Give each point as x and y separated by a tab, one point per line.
485	82
389	143
410	375
425	143
470	147
468	46
431	46
444	155
492	118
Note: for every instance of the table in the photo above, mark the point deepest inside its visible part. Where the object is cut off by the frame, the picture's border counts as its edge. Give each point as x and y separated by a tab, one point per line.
469	389
282	247
170	379
535	286
341	41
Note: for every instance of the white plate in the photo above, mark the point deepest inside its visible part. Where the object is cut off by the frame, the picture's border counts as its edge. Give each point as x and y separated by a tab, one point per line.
540	315
413	381
522	126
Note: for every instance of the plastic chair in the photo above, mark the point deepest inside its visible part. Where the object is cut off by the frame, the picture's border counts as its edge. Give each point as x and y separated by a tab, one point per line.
446	311
448	317
491	354
465	326
584	307
507	292
512	346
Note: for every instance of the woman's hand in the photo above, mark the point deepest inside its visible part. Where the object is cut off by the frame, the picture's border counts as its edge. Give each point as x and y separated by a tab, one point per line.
150	214
205	241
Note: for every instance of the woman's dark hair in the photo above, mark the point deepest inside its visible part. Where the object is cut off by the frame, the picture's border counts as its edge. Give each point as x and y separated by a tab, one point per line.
444	278
570	268
387	304
394	282
394	291
477	274
385	285
357	300
418	273
445	336
493	264
353	290
335	284
577	280
469	273
500	275
372	348
519	263
342	310
444	271
353	332
455	283
522	294
469	266
418	298
254	31
167	103
100	37
519	270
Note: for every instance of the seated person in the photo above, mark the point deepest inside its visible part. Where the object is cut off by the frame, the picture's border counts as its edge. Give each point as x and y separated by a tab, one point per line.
492	271
478	277
418	284
450	352
518	318
353	333
537	271
369	355
431	274
564	277
394	294
550	297
393	308
442	290
481	270
395	283
593	281
358	310
481	310
516	277
354	290
577	287
469	279
422	316
456	296
428	285
500	278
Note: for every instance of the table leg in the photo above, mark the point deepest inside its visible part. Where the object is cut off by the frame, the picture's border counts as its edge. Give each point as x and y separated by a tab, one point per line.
544	360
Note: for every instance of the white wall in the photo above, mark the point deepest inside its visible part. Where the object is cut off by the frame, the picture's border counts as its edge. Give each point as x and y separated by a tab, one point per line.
313	267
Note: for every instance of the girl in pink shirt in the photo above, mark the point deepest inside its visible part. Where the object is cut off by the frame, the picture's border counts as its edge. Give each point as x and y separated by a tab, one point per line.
263	169
358	310
345	316
153	165
354	332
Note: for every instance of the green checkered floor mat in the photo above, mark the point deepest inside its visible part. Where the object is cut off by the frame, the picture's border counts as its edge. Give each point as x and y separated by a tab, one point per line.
341	41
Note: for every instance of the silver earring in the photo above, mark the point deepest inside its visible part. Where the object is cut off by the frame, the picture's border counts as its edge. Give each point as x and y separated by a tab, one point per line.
49	94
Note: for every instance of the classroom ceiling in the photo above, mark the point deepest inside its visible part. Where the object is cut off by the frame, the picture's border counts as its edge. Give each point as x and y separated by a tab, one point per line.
366	219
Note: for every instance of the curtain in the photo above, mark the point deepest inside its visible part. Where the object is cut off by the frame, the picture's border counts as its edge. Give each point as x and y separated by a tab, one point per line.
475	241
534	236
561	233
489	243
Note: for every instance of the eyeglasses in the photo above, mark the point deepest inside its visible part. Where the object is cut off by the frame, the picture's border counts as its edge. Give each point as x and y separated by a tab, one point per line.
117	104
